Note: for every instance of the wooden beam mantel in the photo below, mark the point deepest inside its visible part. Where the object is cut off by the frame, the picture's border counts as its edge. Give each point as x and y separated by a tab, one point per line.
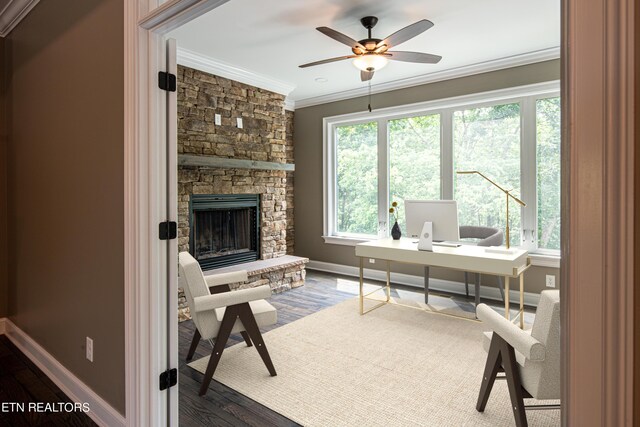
227	163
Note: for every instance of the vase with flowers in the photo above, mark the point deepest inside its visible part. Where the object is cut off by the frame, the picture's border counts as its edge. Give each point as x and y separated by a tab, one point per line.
396	233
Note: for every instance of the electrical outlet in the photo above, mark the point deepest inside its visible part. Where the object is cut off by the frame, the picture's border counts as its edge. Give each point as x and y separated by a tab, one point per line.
218	119
89	349
372	260
239	122
551	281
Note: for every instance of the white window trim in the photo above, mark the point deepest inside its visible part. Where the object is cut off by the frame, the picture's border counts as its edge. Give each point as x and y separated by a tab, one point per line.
526	96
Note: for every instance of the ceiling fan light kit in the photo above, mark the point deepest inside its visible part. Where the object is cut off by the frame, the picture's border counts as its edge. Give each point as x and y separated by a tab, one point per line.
372	54
370	62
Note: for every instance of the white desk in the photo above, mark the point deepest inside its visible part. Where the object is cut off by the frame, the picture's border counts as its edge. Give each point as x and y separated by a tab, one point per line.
465	258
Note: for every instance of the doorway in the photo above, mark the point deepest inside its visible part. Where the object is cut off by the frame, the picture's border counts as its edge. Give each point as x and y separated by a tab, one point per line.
157	21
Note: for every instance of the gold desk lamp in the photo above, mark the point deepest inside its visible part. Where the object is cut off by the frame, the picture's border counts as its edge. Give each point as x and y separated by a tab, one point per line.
507	192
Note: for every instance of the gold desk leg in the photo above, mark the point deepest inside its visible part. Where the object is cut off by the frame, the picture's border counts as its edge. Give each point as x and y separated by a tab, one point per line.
507	313
388	281
361	286
521	301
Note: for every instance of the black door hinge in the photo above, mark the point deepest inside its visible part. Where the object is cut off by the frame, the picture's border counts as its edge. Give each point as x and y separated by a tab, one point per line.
168	230
167	81
168	379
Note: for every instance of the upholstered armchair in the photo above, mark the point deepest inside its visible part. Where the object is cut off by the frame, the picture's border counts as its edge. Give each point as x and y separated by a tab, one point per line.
221	312
488	236
530	360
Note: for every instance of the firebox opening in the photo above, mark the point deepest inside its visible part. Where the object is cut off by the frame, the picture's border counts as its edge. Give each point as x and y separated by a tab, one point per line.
224	229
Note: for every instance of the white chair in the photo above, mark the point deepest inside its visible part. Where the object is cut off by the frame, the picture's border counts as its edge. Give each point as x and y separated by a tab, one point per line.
530	360
221	312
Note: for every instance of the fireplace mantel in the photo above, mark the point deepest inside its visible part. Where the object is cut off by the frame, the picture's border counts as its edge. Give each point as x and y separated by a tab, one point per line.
227	163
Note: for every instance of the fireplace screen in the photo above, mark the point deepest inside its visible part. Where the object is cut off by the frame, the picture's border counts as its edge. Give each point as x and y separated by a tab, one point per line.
224	229
223	232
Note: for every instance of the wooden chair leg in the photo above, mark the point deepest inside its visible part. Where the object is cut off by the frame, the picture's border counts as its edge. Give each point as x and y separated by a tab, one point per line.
250	325
491	369
247	339
229	319
194	344
512	373
466	283
502	355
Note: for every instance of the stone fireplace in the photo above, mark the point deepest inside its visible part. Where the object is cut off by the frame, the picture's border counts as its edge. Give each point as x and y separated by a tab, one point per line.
221	167
225	229
267	187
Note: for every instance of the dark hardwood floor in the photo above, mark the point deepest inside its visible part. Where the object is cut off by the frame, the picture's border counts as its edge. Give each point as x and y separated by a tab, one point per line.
22	382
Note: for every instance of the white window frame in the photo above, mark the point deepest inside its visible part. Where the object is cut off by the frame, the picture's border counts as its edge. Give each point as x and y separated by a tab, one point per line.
526	96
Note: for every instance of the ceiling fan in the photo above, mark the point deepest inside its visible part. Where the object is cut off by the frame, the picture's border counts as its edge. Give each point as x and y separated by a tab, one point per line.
371	54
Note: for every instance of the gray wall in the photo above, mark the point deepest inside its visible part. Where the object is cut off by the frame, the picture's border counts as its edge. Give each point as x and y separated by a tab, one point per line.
308	159
65	186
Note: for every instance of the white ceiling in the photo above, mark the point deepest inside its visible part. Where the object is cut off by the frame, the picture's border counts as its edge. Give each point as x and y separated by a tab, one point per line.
270	39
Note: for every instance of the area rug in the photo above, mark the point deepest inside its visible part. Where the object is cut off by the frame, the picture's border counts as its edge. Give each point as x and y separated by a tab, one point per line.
395	366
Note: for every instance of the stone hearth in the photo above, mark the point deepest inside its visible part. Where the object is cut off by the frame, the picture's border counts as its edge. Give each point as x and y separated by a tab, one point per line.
281	274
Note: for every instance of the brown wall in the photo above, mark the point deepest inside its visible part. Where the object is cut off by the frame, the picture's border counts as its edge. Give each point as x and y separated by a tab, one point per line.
65	186
636	272
3	188
308	156
598	262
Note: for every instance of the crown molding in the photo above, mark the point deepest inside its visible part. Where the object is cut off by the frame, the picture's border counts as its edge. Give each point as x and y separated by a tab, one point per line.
467	70
200	62
13	13
289	104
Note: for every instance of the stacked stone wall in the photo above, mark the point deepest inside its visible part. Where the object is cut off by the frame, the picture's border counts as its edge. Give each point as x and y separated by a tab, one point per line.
266	135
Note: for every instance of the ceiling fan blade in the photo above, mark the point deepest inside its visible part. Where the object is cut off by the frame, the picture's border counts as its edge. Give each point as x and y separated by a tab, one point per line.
366	75
406	33
342	38
424	58
327	61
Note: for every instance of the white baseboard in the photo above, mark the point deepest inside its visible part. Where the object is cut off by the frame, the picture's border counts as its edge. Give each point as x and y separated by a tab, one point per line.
530	299
100	412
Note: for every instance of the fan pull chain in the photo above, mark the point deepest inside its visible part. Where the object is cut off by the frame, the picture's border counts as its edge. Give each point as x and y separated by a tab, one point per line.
369	106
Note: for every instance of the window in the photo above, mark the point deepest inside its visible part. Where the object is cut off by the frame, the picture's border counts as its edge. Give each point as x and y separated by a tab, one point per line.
548	172
414	159
479	134
357	179
412	152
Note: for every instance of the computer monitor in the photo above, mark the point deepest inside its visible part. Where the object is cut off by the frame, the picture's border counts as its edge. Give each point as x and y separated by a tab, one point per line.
442	213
